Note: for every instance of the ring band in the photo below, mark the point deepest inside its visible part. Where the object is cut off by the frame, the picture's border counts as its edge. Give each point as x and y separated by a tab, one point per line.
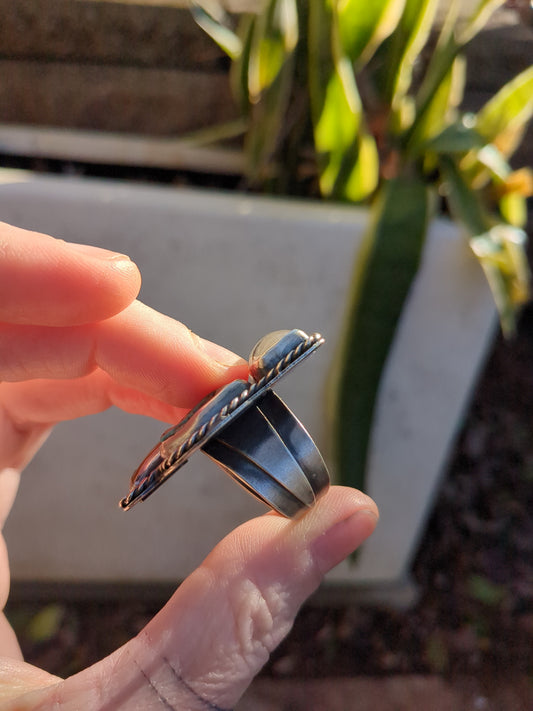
271	454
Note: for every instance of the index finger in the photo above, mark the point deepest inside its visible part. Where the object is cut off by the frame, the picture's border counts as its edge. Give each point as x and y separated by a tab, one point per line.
48	282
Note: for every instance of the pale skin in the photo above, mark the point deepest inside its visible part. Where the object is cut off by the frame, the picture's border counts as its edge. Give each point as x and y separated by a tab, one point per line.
74	341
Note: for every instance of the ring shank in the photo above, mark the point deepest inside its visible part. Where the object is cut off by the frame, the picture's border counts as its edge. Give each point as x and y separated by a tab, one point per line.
272	456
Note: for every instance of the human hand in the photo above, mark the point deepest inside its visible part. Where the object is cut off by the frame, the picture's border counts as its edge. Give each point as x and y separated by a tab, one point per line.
73	341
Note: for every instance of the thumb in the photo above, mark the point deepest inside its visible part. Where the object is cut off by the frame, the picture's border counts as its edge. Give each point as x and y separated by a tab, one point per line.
206	645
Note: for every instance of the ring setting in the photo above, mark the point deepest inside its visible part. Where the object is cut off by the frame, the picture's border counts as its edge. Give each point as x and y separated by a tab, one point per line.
249	432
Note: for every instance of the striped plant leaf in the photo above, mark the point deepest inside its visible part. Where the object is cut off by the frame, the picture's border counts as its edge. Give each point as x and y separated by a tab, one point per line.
384	272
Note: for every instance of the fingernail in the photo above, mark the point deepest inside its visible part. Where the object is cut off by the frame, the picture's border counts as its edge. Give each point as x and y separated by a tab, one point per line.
342	539
90	250
218	353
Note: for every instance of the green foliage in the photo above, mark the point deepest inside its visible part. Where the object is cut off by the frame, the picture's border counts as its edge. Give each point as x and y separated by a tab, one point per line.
213	19
437	653
390	256
485	591
365	96
361	27
45	624
346	153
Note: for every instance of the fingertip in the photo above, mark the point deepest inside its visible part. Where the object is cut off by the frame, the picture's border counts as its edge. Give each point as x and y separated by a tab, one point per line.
216	364
341	520
222	356
94	252
49	282
113	279
337	504
342	501
226	364
122	264
343	539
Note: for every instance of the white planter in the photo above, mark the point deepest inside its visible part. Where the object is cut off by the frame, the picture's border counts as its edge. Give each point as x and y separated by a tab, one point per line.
232	268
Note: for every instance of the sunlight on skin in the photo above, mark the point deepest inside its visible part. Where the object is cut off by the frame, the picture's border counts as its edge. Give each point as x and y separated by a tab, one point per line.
214	635
74	341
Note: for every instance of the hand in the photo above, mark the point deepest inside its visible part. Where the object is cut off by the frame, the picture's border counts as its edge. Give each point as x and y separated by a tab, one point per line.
73	341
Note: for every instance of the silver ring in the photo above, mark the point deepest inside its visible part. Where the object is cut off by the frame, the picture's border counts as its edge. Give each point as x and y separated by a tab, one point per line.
249	432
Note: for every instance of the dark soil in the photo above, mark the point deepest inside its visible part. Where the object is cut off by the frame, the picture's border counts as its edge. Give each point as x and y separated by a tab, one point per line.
474	568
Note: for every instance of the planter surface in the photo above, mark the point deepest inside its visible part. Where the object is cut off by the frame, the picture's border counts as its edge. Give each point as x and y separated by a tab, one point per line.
234	267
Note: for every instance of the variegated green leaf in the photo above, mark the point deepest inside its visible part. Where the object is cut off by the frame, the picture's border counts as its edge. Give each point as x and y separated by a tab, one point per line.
346	153
480	166
210	16
363	174
405	45
503	118
465	204
440	110
510	188
501	253
266	126
270	65
336	126
440	63
363	26
489	160
512	192
478	19
240	67
499	248
384	272
459	137
321	61
273	41
513	209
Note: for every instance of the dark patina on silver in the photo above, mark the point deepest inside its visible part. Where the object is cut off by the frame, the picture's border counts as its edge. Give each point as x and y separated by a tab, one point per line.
248	431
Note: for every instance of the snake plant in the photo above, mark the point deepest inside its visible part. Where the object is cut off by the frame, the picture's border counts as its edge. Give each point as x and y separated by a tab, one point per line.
359	101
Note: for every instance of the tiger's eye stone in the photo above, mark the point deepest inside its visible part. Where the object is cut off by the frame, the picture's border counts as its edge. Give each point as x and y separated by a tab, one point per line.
272	348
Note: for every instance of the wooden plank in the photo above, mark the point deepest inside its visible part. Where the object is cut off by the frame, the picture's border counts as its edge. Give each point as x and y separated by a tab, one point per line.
105	33
118	149
229	5
147	101
139	32
496	56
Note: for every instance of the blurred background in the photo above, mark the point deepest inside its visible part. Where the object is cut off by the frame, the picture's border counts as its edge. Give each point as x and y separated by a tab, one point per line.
109	89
